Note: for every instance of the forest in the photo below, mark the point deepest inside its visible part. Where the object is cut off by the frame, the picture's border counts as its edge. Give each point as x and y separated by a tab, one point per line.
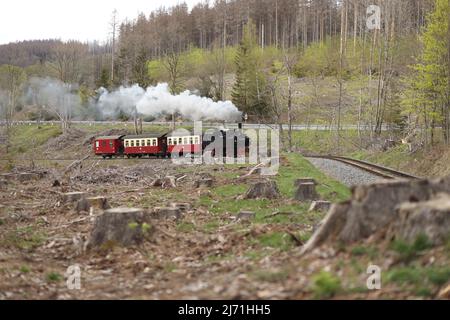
279	61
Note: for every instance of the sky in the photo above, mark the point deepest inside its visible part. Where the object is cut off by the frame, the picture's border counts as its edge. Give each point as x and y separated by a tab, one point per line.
83	20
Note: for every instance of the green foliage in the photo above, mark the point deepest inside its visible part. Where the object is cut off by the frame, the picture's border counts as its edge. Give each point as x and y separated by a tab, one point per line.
408	251
420	277
54	277
249	88
427	91
326	285
24	269
23	238
277	240
104	81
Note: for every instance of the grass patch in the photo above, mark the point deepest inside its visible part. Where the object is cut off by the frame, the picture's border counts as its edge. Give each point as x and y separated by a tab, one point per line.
276	240
24	269
53	277
270	275
359	251
24	238
420	277
185	227
326	285
408	252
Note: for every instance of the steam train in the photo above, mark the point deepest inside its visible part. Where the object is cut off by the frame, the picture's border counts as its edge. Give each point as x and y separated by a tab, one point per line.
232	143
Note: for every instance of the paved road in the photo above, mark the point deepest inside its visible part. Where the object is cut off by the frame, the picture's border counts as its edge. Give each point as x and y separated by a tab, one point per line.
297	127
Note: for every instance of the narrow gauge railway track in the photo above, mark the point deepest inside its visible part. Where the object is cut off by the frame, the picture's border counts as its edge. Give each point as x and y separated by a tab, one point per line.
375	169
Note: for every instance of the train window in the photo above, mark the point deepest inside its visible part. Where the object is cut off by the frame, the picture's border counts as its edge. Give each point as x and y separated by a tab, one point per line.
149	143
143	143
185	141
155	142
111	144
127	143
132	143
191	140
197	140
169	142
97	144
175	142
180	140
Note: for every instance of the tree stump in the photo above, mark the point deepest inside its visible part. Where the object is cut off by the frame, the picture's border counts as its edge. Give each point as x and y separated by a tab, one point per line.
97	203
322	206
306	192
429	218
183	207
263	190
73	196
167	213
157	183
169	182
300	181
245	216
204	182
120	226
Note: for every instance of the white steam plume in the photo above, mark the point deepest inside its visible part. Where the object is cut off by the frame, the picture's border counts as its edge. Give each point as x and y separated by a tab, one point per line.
157	101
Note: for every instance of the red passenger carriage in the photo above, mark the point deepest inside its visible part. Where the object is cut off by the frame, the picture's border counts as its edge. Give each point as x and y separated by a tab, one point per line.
109	147
151	144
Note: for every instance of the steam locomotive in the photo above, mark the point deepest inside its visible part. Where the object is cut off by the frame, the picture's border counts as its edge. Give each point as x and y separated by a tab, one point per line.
228	143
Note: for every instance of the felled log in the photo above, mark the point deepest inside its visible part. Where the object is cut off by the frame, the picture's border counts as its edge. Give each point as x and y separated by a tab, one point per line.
120	226
306	192
266	189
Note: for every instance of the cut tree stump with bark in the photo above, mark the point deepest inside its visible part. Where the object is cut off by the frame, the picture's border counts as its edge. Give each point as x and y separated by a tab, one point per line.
184	207
300	181
204	182
120	226
398	208
169	182
320	205
266	189
306	192
429	218
96	203
167	213
73	196
245	216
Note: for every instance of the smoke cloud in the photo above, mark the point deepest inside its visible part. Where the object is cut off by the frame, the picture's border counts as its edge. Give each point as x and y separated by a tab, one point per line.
157	101
63	100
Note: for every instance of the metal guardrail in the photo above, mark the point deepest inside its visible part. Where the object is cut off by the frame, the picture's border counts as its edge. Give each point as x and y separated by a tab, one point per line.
296	127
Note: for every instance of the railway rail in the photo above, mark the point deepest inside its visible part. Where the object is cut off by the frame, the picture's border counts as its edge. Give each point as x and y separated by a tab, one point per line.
375	169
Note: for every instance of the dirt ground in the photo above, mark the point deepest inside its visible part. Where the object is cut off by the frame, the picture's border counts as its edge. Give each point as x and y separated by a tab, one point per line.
207	254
